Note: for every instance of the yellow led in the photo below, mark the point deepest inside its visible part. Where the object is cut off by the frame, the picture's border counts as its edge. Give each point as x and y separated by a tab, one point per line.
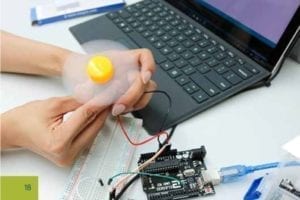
100	69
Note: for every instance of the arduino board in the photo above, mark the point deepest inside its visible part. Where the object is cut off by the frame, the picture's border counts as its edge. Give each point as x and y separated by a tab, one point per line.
185	166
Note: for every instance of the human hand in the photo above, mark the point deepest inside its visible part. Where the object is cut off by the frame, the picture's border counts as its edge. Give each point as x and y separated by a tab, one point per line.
135	98
40	127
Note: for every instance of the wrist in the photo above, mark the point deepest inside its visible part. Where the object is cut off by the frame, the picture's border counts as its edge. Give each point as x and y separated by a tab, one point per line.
8	135
57	58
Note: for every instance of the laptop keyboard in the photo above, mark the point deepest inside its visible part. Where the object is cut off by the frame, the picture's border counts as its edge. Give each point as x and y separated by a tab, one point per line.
199	64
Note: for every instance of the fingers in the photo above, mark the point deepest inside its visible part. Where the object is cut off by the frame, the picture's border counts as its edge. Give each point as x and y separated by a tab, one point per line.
147	63
127	100
61	105
88	135
79	119
134	94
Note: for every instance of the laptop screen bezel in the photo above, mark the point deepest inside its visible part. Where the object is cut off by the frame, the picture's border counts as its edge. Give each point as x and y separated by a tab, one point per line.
269	60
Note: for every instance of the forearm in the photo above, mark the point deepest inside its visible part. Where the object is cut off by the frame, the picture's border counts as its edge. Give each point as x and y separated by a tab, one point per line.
20	55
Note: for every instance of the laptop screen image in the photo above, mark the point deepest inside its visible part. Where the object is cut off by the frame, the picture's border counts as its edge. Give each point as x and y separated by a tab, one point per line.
259	28
265	20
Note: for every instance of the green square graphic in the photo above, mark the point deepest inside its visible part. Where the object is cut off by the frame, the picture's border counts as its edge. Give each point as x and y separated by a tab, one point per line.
19	188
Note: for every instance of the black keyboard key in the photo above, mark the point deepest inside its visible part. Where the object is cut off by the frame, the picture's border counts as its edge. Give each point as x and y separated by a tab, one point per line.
127	29
195	38
112	15
204	43
167	65
188	89
142	42
222	48
147	34
181	27
187	55
229	62
242	72
168	28
205	36
214	42
162	23
188	43
172	43
220	56
117	20
212	49
203	55
212	62
200	96
231	54
203	68
188	70
180	63
166	50
182	80
124	14
155	18
174	73
232	78
174	33
179	49
195	61
166	37
159	44
153	39
153	27
173	56
141	29
195	49
241	61
148	23
221	69
175	22
130	20
180	38
220	82
205	84
188	32
191	88
135	24
159	32
251	68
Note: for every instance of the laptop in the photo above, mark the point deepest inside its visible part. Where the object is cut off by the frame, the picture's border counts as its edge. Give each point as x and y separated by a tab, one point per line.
205	50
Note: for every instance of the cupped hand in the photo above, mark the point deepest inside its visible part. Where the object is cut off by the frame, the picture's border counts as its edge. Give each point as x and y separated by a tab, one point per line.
40	127
136	98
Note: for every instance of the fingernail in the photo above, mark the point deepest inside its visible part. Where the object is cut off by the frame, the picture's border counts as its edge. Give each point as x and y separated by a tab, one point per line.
146	77
118	109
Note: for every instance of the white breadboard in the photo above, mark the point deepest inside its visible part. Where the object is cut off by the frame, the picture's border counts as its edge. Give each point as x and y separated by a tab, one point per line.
110	154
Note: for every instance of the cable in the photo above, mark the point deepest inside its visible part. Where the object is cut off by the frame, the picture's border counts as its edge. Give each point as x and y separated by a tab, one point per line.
233	173
136	177
129	183
141	174
139	168
169	135
134	143
162	146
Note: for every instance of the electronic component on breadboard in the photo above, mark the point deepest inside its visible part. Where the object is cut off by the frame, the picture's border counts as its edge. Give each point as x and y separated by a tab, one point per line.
186	166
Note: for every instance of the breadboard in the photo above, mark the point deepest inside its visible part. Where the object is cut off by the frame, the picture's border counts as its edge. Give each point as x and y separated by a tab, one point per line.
110	154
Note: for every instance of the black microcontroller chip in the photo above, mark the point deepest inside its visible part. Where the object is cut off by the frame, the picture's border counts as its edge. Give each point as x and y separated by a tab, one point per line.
186	166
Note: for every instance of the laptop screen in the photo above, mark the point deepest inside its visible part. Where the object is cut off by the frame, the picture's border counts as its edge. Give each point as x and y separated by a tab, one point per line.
265	20
259	28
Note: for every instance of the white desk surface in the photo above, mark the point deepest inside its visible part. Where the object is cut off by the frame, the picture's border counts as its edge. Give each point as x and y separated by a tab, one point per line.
248	128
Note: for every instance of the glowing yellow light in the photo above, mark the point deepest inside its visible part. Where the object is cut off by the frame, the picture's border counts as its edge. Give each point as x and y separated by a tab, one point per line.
100	69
